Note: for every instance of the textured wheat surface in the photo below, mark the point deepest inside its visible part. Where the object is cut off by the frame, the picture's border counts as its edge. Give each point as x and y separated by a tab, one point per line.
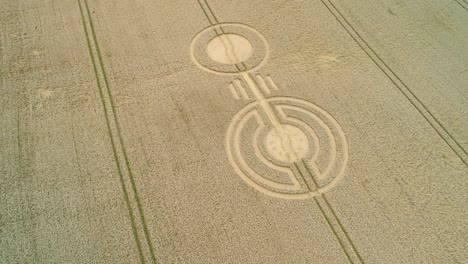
113	148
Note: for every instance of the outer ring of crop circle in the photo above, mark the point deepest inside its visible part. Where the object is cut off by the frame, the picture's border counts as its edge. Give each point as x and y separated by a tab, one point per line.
199	34
232	145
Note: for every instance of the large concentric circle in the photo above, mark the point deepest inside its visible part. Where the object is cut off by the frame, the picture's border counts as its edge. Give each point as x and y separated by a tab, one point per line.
229	48
315	137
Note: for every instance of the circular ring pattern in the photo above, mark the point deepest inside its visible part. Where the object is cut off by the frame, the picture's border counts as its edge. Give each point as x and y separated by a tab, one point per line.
332	137
200	56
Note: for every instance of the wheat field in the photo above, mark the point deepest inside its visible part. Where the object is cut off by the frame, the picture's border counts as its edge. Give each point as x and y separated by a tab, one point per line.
251	131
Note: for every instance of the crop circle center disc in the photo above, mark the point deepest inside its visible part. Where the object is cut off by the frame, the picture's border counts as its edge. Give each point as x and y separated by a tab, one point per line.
287	144
229	49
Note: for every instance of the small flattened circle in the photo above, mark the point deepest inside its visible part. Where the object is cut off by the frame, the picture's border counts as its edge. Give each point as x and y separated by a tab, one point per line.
229	49
287	143
211	50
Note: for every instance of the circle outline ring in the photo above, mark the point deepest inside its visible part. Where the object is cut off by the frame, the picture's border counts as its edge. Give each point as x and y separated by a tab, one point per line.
199	34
